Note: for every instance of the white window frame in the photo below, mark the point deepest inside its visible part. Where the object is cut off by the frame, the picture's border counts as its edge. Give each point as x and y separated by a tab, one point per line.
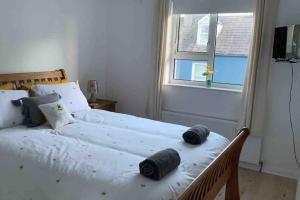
208	56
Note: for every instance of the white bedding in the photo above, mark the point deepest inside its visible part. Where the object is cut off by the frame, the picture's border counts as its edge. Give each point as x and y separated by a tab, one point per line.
97	159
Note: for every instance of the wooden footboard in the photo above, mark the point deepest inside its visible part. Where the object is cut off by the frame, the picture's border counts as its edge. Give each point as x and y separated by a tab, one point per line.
223	170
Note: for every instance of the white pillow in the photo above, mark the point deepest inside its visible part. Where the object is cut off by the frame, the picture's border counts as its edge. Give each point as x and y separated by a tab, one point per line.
70	93
57	114
11	115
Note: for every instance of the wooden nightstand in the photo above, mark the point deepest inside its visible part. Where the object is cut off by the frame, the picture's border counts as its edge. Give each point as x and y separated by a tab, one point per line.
104	105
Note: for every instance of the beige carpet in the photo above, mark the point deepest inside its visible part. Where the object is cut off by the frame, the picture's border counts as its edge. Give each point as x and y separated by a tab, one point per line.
261	186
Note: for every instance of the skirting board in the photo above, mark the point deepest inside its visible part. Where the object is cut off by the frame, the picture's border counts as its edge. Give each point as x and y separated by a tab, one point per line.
274	171
246	165
271	169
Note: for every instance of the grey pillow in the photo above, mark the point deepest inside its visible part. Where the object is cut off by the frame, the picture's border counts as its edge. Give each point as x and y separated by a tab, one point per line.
33	116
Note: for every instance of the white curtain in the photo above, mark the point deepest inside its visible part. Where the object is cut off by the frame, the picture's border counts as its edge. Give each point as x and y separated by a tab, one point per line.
256	83
161	38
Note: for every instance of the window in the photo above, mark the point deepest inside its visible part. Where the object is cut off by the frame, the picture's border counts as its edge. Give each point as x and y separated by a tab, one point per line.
221	41
193	33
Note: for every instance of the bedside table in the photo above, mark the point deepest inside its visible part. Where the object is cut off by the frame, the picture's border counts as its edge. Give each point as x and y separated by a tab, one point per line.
104	105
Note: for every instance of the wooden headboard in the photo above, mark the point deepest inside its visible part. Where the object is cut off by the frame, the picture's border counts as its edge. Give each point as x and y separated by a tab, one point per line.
19	78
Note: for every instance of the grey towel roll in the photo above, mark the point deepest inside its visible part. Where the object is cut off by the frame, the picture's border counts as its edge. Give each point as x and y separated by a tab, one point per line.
160	164
196	135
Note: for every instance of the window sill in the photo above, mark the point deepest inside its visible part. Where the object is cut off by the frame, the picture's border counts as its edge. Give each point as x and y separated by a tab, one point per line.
224	89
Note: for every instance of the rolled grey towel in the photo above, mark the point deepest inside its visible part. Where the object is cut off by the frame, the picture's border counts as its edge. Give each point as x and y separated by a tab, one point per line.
160	164
196	135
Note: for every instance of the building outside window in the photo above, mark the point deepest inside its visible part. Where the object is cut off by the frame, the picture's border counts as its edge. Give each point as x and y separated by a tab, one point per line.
221	41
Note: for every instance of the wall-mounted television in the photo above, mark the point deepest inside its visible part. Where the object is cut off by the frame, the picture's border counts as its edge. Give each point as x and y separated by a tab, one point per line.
287	43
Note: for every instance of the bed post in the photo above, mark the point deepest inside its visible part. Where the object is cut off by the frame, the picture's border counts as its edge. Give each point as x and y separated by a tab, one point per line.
232	184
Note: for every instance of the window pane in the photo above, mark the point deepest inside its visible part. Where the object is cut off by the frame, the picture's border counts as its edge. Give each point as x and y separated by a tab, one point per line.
190	70
232	47
230	69
193	33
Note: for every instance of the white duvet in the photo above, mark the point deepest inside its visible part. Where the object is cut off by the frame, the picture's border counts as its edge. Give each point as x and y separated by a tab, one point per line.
97	158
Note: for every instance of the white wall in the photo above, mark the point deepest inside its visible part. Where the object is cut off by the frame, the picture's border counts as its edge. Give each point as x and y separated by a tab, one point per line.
130	56
278	147
40	35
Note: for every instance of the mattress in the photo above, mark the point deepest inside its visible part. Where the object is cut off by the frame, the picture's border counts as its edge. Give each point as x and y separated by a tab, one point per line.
97	158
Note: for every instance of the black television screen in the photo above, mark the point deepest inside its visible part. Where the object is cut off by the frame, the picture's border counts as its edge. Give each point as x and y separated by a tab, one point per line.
287	42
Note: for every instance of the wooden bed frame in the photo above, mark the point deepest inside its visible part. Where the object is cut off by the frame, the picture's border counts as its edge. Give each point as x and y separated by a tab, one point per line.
222	171
20	78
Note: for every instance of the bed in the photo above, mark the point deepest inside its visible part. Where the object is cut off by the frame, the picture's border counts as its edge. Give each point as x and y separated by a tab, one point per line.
97	158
